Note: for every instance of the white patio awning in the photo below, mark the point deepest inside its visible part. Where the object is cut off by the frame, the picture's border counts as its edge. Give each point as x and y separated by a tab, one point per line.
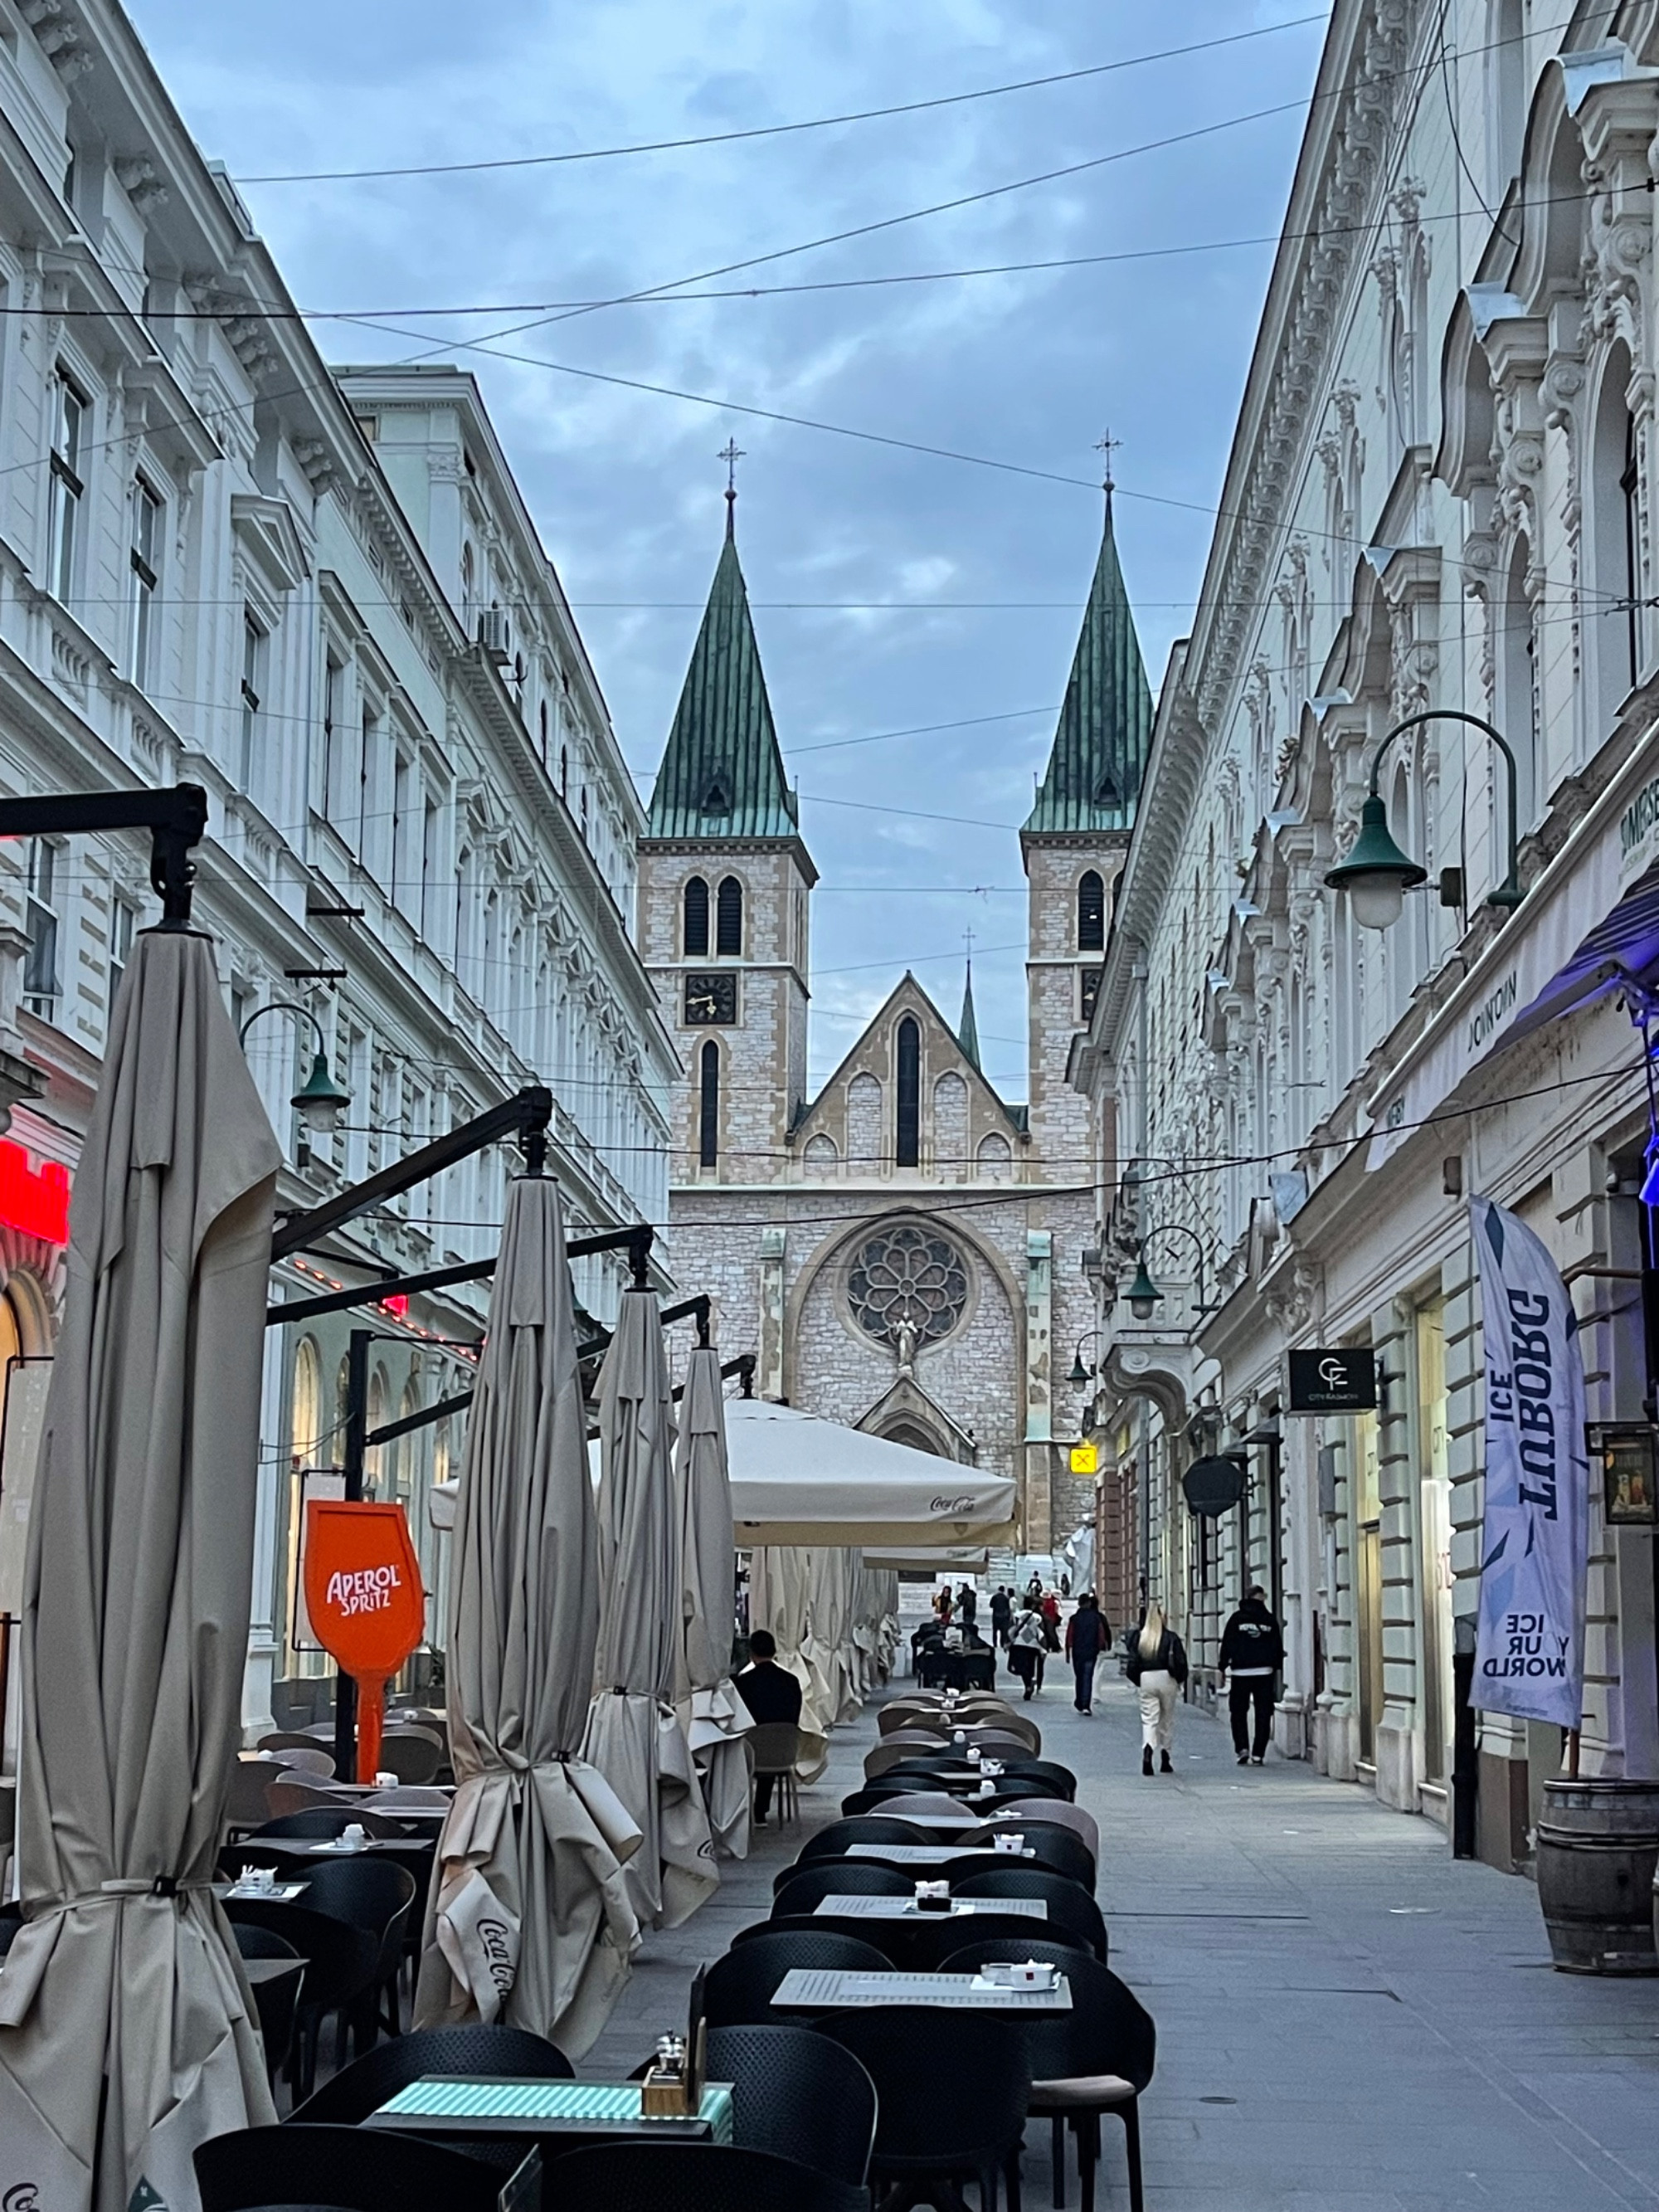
799	1479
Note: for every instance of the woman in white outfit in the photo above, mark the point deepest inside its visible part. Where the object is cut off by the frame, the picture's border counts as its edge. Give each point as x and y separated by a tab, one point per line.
1157	1668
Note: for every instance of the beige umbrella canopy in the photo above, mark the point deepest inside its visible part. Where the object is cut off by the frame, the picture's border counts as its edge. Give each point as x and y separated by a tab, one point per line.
714	1717
633	1736
126	2036
530	1921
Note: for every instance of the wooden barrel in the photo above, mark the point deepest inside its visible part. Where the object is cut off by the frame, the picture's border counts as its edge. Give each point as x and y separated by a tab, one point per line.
1598	1848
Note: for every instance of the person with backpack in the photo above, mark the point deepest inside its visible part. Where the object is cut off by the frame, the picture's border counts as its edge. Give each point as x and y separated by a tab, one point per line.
1252	1653
1088	1633
1025	1646
1157	1667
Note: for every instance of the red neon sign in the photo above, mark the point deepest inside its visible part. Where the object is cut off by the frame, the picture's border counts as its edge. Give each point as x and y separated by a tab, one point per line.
397	1305
35	1201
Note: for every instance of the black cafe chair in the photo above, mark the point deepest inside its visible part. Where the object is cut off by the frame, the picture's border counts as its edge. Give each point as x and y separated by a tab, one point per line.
342	2169
1071	1912
656	2177
738	1988
340	1974
839	1878
276	2000
1096	2058
799	2094
321	1822
833	1841
951	2091
375	2078
1050	1845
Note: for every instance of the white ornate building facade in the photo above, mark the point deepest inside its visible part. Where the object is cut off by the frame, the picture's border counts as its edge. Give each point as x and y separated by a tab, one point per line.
319	594
1440	498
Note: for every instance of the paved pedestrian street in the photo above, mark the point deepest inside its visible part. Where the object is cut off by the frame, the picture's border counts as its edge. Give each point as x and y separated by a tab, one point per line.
1348	2020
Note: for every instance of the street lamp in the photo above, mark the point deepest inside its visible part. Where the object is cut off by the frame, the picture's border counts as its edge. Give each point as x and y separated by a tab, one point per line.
1376	874
319	1101
1143	1292
1080	1375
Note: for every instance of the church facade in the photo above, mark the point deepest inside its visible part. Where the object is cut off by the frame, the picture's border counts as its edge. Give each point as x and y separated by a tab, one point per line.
905	1249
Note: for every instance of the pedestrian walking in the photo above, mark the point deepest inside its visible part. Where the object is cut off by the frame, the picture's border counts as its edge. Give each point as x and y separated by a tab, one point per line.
1034	1589
1157	1668
1088	1633
1025	1650
1002	1613
942	1605
1050	1609
967	1604
1252	1653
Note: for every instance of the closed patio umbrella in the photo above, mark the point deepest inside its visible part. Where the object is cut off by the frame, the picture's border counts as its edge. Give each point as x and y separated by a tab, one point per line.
126	2036
530	1921
633	1736
716	1719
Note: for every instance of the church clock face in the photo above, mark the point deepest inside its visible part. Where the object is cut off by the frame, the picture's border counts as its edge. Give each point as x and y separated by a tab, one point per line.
711	999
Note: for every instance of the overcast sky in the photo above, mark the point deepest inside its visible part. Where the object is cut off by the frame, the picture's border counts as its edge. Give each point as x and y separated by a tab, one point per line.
954	590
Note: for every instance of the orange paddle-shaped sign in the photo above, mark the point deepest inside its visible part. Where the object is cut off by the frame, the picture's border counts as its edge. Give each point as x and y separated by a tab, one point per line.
367	1604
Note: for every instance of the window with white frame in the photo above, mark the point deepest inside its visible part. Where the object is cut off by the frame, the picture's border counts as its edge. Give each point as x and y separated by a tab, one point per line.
335	740
41	986
122	921
406	885
254	644
144	564
69	405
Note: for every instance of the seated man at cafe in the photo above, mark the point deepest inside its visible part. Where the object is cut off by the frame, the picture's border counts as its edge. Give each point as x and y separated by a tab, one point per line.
771	1694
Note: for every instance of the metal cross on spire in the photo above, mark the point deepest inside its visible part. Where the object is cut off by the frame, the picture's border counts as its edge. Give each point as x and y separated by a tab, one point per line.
968	940
730	454
1107	444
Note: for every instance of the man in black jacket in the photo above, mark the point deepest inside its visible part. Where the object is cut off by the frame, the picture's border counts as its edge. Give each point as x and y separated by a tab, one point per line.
1088	1633
1252	1653
771	1694
1002	1611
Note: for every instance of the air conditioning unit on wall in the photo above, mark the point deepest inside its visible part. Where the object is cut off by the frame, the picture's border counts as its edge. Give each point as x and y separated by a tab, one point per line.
494	635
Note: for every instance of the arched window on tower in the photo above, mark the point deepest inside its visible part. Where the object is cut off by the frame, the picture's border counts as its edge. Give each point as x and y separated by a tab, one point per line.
709	1105
697	917
906	1134
1091	912
729	917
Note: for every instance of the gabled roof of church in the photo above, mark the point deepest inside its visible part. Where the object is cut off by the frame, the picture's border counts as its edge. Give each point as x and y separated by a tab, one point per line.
1093	777
916	999
722	775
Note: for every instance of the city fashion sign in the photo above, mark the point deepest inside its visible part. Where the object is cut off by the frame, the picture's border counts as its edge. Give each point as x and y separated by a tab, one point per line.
1342	1380
1529	1648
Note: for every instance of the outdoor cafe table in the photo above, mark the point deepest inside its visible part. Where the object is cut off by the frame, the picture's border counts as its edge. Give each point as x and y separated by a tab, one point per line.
933	1854
911	1937
476	2111
816	1989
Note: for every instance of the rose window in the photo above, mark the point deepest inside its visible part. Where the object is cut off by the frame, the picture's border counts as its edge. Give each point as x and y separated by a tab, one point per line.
907	1279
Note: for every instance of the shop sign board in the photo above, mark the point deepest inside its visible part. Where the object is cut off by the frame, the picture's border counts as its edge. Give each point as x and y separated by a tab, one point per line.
364	1599
1339	1380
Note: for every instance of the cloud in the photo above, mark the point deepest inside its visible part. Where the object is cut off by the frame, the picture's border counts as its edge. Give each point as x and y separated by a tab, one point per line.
625	484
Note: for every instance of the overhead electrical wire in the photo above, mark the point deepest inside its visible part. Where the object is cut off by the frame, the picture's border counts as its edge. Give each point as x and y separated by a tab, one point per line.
782	130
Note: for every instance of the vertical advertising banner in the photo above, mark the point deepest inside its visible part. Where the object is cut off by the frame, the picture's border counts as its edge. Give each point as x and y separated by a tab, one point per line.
1530	1651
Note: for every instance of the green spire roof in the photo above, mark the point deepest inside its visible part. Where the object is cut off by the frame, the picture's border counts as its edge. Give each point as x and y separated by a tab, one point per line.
723	775
1093	778
968	1027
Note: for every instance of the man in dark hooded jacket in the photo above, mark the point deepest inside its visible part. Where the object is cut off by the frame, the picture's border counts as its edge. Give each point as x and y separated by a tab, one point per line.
1252	1653
1088	1633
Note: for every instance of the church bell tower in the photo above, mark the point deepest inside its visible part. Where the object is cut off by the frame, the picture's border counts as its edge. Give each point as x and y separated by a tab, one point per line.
725	886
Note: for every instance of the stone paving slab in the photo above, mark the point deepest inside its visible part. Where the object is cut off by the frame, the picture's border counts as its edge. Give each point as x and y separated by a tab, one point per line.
1383	2019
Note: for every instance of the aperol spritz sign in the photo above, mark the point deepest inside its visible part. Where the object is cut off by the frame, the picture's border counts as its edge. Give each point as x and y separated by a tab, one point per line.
365	1599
